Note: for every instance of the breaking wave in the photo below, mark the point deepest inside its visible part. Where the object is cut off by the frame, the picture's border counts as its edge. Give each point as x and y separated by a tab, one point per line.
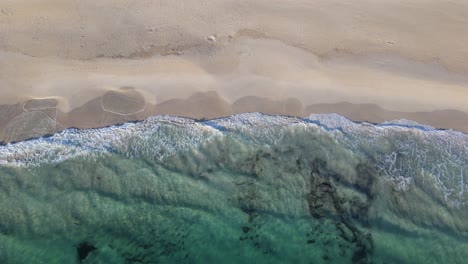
400	149
257	188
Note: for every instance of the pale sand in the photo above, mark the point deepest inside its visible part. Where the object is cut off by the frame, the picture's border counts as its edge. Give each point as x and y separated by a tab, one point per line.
386	59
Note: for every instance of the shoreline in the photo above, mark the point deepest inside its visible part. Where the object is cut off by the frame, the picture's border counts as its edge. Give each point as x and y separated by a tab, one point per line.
409	124
93	115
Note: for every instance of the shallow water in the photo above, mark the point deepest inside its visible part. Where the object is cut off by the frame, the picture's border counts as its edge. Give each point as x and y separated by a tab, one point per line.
249	188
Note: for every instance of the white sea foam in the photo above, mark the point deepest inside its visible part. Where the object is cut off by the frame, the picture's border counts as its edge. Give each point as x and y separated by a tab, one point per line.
402	150
407	123
130	138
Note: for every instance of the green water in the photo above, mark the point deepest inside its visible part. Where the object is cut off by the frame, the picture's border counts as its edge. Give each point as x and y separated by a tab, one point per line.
302	198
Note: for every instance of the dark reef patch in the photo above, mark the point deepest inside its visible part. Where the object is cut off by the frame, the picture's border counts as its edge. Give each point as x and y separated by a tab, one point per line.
83	250
366	175
325	202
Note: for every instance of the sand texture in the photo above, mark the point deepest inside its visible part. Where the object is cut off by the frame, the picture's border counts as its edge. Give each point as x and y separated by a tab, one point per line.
88	63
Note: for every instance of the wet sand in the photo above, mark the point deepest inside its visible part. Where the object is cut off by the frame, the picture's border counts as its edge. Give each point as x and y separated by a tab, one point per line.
86	64
20	124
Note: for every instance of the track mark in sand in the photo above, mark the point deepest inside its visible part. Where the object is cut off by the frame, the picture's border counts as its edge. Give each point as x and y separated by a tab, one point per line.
40	104
29	125
39	118
48	106
123	101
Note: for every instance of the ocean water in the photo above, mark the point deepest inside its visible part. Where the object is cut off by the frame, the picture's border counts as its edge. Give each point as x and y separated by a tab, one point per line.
250	188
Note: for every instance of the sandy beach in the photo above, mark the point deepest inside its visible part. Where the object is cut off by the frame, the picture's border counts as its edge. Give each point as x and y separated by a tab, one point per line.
85	64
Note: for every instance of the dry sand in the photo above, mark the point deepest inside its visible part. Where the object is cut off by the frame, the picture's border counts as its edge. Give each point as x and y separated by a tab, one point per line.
95	63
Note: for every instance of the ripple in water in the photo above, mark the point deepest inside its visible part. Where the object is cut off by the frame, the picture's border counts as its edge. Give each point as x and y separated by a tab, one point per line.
250	188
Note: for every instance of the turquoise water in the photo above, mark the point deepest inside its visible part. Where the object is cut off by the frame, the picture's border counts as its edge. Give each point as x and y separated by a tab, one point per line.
249	188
